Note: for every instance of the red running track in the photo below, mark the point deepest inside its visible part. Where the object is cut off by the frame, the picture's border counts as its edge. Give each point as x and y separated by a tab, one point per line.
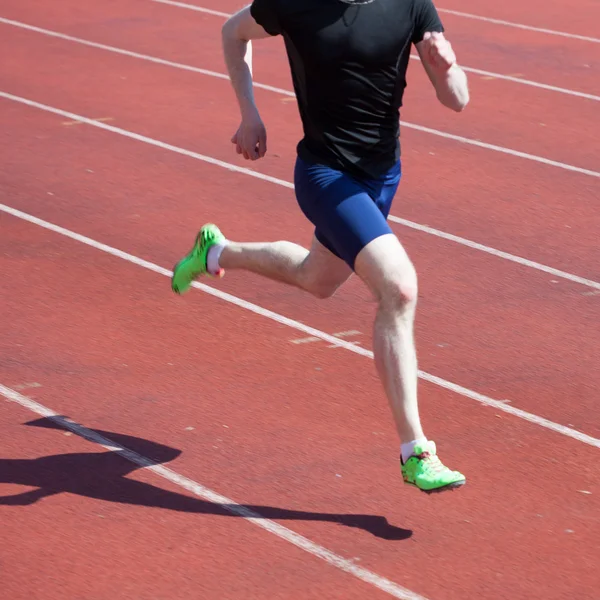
523	352
521	207
307	436
275	429
558	16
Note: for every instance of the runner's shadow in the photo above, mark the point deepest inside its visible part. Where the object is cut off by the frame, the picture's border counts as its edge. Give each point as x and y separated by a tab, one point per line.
103	476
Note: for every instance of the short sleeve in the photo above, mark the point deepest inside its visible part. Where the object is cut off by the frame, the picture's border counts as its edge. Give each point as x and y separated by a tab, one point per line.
264	13
426	19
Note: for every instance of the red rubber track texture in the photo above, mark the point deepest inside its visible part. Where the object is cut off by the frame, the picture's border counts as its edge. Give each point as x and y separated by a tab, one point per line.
576	18
86	523
526	342
565	62
194	38
548	215
560	16
114	349
138	84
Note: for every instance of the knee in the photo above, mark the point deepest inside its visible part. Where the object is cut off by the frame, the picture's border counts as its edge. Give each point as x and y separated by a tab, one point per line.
399	293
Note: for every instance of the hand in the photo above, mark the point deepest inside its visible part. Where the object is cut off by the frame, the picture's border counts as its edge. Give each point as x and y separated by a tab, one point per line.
251	138
438	51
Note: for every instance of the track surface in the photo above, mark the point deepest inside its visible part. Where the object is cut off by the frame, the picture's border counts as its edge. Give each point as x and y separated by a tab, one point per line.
293	428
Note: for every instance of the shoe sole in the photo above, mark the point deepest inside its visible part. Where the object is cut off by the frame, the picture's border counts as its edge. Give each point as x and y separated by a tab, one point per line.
445	488
174	287
219	275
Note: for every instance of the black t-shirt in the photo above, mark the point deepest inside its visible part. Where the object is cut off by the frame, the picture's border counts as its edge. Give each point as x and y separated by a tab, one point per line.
348	65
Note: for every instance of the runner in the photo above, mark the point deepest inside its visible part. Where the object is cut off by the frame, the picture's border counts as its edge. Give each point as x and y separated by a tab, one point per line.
348	61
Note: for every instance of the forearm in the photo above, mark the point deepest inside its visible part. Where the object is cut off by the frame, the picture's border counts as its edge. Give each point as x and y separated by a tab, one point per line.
452	88
238	58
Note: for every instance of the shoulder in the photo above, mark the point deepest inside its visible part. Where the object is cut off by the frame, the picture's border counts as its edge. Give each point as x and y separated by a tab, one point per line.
267	13
425	18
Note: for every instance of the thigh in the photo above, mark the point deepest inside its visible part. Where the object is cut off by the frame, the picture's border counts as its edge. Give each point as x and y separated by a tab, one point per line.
345	216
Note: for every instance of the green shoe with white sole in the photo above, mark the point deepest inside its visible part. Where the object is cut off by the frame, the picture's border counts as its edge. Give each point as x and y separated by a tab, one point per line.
425	471
194	263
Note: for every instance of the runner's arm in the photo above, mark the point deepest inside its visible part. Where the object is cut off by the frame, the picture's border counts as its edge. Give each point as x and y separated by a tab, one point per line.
448	79
237	35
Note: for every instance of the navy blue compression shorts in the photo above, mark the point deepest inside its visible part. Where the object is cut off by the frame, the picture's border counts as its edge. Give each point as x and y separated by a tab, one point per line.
347	212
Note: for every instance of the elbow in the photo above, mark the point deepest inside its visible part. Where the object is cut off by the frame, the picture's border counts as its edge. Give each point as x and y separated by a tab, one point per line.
460	105
464	100
457	103
453	91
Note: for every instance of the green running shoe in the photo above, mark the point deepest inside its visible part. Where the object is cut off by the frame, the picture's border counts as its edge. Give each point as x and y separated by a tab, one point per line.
194	263
425	471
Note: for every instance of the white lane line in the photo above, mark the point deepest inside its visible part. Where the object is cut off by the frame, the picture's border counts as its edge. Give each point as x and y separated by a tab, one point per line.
201	9
114	49
334	560
457	13
154	59
310	331
543	86
498	253
245	171
501	149
277	90
289	185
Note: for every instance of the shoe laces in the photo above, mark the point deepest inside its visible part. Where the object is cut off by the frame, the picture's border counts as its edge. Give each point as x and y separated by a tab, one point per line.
431	462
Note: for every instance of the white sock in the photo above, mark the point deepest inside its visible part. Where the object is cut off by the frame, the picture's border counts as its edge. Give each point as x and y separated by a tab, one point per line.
212	259
408	448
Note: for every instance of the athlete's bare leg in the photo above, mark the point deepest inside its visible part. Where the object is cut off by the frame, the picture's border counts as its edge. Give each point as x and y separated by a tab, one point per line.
316	271
388	272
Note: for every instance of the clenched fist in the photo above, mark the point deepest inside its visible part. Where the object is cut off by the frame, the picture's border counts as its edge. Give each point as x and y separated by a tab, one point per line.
438	51
251	138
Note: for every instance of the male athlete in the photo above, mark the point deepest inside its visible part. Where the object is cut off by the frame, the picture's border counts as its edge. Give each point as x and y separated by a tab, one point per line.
348	60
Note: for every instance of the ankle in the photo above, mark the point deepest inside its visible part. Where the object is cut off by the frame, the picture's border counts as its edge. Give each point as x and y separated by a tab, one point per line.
407	449
213	257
